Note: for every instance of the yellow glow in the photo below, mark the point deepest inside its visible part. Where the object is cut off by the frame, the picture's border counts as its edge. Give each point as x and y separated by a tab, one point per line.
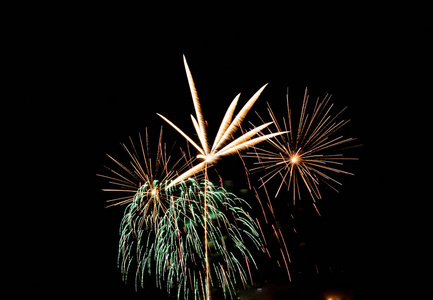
154	191
294	159
207	158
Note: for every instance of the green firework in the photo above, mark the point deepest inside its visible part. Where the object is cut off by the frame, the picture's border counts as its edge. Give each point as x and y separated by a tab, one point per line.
170	247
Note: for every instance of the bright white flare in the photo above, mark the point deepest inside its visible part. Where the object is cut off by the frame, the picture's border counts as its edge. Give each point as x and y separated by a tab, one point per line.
294	159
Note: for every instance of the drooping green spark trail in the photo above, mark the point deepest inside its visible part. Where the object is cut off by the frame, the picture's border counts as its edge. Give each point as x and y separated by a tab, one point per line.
171	249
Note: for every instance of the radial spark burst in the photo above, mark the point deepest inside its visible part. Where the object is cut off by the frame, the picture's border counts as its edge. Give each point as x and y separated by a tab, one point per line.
144	177
308	153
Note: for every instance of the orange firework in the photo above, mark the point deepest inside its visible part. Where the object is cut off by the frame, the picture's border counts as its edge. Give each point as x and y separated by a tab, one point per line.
144	177
307	154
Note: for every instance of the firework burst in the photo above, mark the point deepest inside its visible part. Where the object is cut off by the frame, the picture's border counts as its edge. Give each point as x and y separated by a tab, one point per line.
210	154
144	177
175	254
163	226
307	153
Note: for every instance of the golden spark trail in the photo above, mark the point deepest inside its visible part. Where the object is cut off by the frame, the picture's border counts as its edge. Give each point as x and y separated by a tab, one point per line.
227	128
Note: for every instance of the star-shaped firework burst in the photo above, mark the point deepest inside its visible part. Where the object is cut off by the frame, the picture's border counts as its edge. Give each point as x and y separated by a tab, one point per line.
227	128
306	154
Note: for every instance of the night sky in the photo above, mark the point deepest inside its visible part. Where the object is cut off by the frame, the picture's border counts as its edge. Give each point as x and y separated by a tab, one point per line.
88	79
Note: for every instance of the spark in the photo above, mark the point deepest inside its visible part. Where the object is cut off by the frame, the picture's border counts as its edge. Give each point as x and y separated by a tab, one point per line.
229	125
306	155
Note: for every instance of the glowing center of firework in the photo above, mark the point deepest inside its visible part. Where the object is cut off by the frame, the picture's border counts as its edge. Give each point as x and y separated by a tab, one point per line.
207	158
294	159
154	192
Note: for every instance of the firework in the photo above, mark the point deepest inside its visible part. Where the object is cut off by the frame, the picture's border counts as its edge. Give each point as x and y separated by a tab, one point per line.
220	147
162	230
227	128
146	174
305	154
174	253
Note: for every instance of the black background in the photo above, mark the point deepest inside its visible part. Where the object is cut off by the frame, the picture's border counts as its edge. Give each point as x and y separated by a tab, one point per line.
86	78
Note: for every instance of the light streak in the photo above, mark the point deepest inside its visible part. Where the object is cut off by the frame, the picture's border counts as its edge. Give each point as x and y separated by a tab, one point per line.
228	127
